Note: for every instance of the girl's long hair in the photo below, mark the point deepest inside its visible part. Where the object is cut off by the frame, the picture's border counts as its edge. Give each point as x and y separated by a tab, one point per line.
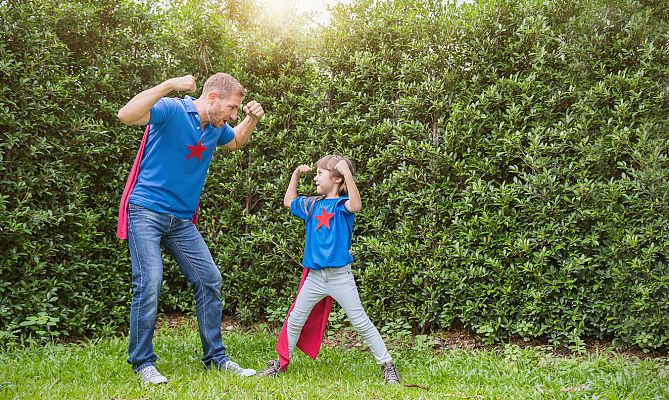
328	163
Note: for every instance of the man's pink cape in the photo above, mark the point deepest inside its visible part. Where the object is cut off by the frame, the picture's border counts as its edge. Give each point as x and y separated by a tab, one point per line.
122	223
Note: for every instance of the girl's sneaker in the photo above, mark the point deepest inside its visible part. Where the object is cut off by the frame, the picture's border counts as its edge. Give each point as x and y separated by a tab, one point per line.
390	373
273	369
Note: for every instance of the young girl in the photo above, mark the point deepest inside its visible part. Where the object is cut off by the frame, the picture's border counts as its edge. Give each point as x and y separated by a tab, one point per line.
327	274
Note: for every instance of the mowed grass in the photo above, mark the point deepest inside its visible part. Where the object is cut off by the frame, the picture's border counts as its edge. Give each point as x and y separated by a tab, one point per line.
98	370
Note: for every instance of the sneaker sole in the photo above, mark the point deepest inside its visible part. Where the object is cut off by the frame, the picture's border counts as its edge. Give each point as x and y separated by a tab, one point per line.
154	383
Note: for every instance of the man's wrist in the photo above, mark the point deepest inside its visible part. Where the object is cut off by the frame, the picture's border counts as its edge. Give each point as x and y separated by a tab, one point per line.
166	87
253	120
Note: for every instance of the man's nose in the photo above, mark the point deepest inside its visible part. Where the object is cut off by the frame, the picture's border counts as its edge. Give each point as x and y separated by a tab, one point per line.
233	116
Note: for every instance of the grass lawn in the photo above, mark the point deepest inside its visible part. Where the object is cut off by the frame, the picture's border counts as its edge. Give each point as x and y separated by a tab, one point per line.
98	371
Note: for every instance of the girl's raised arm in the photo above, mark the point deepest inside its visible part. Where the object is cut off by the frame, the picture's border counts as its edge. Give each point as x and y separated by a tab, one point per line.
354	202
291	192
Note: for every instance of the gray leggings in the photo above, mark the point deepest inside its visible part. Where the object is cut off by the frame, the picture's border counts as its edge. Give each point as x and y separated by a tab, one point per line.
340	285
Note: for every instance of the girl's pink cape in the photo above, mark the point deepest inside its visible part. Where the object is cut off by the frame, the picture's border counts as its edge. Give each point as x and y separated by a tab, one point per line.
311	336
122	223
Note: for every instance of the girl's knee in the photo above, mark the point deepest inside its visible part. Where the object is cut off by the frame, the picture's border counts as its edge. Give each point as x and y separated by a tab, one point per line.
361	322
296	320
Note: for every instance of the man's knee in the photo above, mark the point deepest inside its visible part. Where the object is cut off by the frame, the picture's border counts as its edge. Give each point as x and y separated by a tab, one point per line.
212	274
216	278
211	279
148	287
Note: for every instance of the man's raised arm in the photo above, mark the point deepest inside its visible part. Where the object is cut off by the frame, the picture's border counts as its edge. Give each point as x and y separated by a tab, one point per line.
136	112
254	112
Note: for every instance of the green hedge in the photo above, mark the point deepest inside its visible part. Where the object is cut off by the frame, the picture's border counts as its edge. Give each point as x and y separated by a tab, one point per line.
512	157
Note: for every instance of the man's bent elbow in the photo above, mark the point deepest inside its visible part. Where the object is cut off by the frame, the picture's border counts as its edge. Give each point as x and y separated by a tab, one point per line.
239	144
124	117
231	145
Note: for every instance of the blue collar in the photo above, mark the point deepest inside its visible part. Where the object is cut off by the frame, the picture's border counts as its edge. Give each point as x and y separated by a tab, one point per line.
189	104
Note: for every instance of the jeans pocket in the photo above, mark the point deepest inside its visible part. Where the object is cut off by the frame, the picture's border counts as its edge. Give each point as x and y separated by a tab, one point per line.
134	210
142	216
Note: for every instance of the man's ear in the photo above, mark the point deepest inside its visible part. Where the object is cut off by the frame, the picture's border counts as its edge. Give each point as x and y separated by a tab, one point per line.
211	96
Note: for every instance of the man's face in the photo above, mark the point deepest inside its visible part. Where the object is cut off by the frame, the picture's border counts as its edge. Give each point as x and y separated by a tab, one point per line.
224	110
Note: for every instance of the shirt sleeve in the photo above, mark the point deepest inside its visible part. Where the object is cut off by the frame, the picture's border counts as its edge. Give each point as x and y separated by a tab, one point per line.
341	205
162	111
297	207
226	135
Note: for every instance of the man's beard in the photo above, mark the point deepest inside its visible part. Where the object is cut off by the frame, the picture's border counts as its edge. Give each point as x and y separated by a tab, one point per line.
211	122
209	118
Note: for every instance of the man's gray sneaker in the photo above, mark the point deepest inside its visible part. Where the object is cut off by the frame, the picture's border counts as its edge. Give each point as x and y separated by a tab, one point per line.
273	369
234	367
390	373
151	375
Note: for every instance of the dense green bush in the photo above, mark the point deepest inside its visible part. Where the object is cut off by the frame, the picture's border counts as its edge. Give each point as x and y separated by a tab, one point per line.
515	157
512	157
65	69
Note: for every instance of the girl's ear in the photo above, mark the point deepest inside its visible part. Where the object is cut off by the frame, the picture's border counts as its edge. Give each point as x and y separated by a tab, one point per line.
343	190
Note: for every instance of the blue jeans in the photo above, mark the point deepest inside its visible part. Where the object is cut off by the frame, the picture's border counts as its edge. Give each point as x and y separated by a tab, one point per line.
147	230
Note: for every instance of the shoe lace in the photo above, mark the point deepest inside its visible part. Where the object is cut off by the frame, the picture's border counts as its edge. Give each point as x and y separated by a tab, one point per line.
271	367
150	373
232	366
390	372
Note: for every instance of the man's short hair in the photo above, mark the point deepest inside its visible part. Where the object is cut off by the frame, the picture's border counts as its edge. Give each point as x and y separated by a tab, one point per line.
224	85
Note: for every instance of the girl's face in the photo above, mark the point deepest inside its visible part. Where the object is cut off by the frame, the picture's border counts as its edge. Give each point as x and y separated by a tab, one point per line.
324	181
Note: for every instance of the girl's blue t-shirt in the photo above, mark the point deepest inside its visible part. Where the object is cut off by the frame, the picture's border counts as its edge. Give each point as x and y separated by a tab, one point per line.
329	228
176	158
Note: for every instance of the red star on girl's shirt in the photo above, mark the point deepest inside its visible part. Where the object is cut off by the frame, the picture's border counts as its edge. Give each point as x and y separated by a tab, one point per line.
196	151
323	219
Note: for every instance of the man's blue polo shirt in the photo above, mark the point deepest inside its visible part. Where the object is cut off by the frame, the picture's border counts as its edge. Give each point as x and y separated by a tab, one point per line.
176	158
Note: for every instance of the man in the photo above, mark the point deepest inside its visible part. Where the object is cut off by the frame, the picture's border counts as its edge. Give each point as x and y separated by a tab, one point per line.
171	170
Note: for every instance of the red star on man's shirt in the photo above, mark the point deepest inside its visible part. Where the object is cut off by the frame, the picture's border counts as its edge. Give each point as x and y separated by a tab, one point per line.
323	219
196	151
